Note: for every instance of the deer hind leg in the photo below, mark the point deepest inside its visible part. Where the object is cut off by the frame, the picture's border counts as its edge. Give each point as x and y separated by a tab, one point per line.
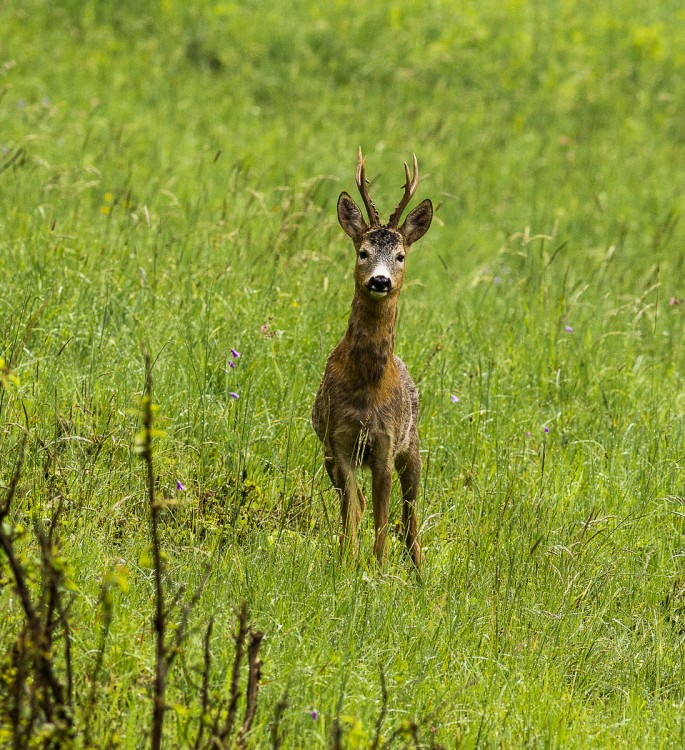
408	466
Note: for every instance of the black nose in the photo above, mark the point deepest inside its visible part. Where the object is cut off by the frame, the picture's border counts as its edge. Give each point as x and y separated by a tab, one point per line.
379	284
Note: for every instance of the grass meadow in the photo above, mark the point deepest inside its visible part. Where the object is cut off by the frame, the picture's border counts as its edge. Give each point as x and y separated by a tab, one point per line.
169	179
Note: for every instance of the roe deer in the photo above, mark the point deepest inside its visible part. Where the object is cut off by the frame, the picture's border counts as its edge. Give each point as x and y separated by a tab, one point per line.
366	407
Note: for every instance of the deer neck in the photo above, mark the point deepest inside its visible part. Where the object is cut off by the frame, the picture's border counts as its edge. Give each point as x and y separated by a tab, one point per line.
370	338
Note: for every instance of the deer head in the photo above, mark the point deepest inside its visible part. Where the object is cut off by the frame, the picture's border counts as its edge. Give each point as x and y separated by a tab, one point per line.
382	248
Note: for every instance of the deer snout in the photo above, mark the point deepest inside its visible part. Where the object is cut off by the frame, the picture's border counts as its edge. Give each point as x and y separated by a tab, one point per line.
379	286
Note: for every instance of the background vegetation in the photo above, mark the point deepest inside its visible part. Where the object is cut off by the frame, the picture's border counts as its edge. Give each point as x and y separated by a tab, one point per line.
170	179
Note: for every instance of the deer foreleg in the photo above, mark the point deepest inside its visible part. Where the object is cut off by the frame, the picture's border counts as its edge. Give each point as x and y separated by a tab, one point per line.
408	466
345	483
381	487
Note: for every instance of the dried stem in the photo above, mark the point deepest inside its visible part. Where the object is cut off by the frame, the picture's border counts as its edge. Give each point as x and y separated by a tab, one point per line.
234	694
159	622
99	658
204	694
12	160
11	490
34	646
19	662
336	734
384	708
165	653
182	629
278	715
253	677
64	621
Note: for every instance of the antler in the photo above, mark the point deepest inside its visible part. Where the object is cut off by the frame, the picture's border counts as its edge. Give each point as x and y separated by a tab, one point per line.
363	189
409	189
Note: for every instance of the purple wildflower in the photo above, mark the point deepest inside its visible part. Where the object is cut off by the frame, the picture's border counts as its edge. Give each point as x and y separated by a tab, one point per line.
528	433
569	329
546	429
231	364
454	399
235	353
315	714
179	486
233	394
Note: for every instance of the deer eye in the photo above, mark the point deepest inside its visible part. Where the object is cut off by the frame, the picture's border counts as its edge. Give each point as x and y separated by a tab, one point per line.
363	255
400	258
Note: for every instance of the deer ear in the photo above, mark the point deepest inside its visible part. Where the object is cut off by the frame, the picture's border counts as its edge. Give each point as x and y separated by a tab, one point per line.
350	217
417	222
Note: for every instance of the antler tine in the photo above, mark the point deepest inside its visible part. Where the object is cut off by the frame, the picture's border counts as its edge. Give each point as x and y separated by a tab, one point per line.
412	182
363	189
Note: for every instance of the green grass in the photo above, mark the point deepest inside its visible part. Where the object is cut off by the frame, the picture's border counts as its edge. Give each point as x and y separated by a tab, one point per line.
177	189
